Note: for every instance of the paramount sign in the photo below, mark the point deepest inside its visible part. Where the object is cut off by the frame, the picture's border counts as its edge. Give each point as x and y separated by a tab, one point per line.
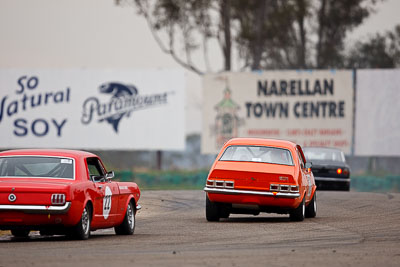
124	99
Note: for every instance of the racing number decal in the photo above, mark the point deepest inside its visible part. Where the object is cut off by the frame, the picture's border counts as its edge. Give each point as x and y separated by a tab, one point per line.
107	202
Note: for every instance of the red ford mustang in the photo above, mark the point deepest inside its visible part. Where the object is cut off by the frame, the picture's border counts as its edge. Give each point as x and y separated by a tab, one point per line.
253	175
63	192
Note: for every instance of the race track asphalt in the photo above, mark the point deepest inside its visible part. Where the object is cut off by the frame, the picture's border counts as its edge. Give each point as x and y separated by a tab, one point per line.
351	229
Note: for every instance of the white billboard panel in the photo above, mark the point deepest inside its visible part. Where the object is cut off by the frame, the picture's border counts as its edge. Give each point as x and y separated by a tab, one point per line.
378	113
312	108
92	109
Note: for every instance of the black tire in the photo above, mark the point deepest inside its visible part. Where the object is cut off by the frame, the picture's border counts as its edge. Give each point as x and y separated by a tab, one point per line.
298	213
127	227
45	233
20	232
212	211
223	212
311	209
81	231
346	187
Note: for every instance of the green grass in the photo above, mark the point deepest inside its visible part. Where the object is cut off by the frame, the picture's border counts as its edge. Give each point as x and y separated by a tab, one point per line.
371	183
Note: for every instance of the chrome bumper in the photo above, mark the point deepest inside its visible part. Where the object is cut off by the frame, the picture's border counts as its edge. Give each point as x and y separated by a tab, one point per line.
138	207
331	179
37	209
248	192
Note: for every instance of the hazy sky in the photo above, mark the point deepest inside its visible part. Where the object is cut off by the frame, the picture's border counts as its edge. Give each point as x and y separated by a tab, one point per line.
97	34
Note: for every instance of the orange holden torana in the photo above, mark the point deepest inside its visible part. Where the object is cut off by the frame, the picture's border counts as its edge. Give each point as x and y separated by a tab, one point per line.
253	175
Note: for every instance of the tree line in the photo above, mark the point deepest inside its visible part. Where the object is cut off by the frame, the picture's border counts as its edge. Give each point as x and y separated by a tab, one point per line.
268	34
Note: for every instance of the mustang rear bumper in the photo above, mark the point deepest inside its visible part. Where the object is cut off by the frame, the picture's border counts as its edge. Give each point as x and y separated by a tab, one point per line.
37	209
248	192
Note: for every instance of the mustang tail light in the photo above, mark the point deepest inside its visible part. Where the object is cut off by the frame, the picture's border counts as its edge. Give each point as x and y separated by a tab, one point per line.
220	184
58	199
284	188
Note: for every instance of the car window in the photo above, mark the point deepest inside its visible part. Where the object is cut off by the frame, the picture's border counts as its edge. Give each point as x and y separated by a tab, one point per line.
262	154
37	167
95	169
319	153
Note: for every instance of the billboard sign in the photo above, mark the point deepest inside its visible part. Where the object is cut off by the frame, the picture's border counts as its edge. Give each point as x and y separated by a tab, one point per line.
377	113
92	109
312	108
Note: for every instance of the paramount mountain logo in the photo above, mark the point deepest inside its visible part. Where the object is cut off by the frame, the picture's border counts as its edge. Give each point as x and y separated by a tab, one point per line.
124	99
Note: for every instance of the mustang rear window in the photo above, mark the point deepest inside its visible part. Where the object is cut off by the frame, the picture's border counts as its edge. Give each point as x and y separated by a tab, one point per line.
37	166
258	154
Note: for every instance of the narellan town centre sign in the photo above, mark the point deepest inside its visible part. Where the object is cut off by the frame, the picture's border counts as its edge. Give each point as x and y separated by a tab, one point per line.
312	108
300	109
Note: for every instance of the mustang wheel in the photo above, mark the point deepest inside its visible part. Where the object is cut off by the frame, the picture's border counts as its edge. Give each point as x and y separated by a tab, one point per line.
298	213
20	232
82	229
311	209
127	227
212	211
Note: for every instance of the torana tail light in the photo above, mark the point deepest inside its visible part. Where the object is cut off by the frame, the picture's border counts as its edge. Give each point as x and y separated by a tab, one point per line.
220	184
274	187
58	199
339	171
284	188
294	188
211	183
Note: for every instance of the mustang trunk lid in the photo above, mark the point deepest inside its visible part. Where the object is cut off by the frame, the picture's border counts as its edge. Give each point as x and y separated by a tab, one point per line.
31	191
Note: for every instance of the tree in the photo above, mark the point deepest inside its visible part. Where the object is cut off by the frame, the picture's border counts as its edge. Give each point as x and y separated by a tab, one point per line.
298	33
188	25
272	33
335	20
379	51
268	34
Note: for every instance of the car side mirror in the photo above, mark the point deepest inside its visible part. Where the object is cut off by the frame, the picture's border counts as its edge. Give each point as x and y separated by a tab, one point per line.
308	165
110	175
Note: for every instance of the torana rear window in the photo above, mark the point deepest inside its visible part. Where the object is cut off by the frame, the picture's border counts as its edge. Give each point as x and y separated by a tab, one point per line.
37	167
262	154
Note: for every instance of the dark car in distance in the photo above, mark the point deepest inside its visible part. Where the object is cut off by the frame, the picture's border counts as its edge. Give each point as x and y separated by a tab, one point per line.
329	167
